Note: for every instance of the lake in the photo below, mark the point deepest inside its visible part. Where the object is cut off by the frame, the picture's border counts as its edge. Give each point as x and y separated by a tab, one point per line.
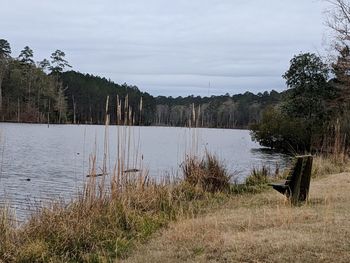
41	163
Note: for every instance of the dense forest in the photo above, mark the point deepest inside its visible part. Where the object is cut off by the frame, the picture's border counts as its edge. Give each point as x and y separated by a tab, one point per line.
45	92
86	96
237	111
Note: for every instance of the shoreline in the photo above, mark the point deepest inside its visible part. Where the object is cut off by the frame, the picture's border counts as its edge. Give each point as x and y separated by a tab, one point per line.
135	219
112	125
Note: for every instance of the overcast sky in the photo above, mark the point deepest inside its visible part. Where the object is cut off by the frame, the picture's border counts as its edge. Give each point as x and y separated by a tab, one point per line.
168	47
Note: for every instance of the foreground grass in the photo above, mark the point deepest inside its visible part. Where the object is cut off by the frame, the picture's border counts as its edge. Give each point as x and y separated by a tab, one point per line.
103	229
201	224
262	228
100	227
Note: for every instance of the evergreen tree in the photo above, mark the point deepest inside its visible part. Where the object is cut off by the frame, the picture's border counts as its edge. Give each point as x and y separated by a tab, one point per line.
26	56
5	51
58	62
44	64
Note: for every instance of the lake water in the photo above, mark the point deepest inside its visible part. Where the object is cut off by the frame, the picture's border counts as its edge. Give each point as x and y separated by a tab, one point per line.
41	163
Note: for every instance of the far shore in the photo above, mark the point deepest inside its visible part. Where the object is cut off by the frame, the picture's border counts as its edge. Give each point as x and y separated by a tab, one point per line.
111	124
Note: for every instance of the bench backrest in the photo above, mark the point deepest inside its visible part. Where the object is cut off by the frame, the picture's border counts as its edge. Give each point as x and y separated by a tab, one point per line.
299	179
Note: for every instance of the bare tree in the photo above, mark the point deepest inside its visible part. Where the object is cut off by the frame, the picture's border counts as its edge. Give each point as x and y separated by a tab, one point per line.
338	19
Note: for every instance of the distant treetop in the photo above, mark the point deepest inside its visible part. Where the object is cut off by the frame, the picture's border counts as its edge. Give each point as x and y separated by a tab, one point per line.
5	49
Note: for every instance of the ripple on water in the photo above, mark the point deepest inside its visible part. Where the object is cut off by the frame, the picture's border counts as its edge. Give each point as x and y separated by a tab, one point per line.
55	159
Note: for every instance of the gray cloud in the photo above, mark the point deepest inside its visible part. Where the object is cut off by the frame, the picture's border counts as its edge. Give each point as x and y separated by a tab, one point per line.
171	47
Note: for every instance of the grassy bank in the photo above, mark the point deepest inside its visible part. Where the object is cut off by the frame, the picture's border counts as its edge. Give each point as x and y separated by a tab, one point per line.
262	228
109	218
100	227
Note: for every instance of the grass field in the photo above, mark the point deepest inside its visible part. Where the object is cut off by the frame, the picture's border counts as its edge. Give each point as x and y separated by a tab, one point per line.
262	228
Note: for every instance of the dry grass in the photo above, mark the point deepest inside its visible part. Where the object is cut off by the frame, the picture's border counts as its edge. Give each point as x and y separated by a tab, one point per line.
100	227
207	227
103	225
262	228
325	165
7	232
209	173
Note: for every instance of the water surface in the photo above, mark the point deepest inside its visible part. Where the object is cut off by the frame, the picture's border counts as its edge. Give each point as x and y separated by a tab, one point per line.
40	163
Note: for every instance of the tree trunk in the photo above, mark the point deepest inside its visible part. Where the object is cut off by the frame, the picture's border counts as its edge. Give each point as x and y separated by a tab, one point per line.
18	110
48	116
1	78
74	116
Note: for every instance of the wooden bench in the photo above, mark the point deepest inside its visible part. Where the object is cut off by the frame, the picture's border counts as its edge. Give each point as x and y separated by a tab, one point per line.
297	185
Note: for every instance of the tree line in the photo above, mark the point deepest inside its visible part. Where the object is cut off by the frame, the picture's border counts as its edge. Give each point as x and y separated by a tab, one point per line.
86	97
40	92
237	111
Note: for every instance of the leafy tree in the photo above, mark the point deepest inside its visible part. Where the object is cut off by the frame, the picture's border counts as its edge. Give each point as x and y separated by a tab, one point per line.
307	80
279	131
304	116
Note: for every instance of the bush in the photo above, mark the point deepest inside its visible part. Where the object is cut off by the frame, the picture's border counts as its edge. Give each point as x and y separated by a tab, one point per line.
208	173
281	132
258	176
